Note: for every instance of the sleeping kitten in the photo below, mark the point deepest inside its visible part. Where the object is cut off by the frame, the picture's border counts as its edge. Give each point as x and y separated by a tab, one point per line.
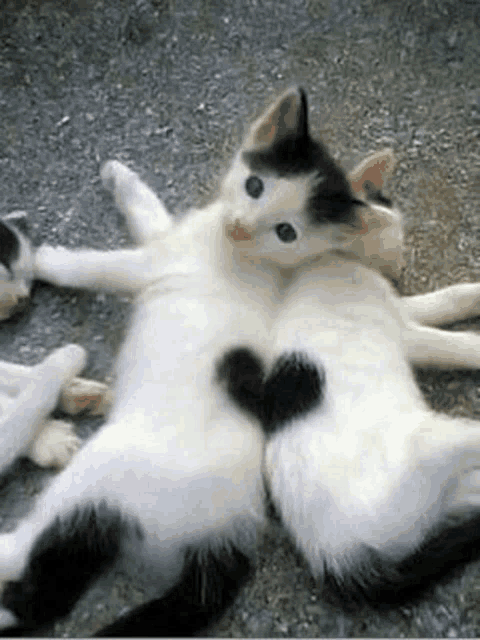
16	264
171	489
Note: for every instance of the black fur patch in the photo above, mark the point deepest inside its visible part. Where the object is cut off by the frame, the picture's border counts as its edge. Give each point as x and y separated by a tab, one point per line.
293	388
242	371
382	583
202	595
332	198
9	246
67	557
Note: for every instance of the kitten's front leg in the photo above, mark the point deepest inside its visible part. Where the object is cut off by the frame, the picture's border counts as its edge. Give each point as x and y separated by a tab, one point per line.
145	214
450	304
127	270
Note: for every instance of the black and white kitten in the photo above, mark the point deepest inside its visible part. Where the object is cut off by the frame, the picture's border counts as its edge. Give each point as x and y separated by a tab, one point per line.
16	264
29	394
171	489
381	494
174	479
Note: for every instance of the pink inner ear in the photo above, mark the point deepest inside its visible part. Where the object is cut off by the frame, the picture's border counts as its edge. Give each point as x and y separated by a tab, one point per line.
374	174
266	132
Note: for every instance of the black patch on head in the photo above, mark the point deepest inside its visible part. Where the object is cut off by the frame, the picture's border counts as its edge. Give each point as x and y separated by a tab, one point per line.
205	590
9	246
67	557
254	186
382	583
375	195
331	199
294	387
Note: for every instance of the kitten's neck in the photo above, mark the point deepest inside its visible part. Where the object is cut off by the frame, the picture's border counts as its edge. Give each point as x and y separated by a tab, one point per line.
250	277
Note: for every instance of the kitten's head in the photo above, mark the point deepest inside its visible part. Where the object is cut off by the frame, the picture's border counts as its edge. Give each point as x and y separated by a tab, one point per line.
286	198
16	264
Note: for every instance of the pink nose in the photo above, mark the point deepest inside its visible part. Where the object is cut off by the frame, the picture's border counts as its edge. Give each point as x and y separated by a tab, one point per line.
239	232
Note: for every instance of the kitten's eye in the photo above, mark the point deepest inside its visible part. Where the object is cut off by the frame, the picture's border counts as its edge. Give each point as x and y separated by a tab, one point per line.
286	232
254	187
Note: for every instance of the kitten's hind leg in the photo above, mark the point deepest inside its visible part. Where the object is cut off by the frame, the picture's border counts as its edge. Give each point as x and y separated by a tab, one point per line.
145	214
55	445
426	346
24	415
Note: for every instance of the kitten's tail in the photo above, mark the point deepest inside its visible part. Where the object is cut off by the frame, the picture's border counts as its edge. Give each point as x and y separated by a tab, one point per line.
206	589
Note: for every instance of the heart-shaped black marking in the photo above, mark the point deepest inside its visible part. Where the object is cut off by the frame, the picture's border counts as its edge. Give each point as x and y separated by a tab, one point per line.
294	386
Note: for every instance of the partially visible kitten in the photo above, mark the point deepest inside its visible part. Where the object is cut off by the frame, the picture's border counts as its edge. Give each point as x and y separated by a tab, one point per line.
16	264
380	494
27	397
29	394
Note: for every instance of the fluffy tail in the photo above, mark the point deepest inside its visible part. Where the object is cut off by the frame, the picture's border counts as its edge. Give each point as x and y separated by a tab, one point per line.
207	588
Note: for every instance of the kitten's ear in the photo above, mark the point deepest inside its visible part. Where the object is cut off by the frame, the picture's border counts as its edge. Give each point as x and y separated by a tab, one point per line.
18	219
372	172
286	118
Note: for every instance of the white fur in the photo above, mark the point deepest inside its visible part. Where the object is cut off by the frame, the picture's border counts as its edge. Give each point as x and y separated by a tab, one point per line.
373	465
27	396
176	454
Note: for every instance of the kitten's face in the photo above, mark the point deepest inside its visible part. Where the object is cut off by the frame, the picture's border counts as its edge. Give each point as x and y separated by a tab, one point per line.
287	199
16	265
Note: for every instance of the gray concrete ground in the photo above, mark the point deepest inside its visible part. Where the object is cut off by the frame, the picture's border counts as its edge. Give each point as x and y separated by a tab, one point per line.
168	86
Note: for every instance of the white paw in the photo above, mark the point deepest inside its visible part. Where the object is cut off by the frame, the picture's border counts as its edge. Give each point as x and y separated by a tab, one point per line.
90	396
7	619
55	446
111	172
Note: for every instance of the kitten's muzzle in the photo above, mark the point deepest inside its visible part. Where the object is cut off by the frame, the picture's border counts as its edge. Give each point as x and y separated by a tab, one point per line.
240	234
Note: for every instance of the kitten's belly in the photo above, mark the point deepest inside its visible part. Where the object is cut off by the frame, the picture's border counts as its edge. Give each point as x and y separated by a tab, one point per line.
167	363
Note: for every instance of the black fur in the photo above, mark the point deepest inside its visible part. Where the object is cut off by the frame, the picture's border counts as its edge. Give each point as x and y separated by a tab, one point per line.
9	246
298	154
382	583
293	388
67	557
201	596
